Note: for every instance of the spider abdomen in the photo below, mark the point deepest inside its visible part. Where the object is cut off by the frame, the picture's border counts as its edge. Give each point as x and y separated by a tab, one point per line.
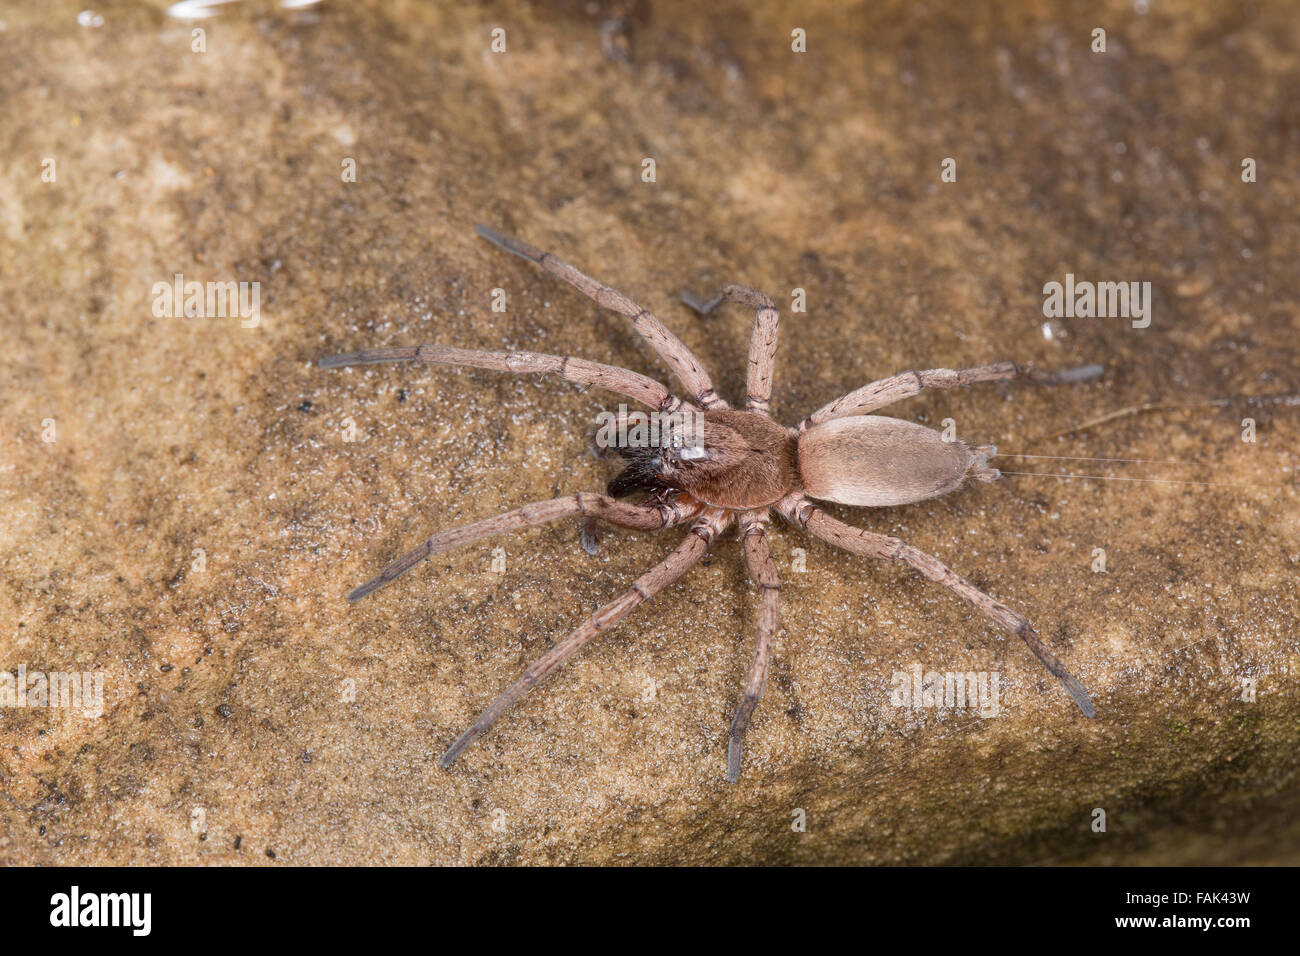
874	461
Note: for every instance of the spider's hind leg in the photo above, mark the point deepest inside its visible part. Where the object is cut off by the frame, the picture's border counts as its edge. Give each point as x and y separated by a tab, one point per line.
803	513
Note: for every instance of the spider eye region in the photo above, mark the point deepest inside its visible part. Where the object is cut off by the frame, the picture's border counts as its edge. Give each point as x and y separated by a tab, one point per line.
729	459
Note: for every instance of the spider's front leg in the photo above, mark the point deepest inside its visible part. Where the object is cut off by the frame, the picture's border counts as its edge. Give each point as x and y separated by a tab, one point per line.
676	507
762	341
803	513
620	380
668	346
586	503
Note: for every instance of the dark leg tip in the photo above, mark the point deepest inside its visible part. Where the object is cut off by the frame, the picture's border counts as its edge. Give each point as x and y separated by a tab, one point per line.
701	306
1071	376
515	246
1080	696
1085	373
454	751
734	751
590	537
357	593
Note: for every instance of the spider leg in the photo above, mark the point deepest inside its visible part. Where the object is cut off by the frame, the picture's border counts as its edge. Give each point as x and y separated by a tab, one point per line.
643	588
589	527
620	380
886	391
763	570
586	503
762	341
589	535
799	510
669	347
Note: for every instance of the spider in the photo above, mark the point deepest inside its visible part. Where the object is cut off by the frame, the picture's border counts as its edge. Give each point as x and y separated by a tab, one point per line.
741	468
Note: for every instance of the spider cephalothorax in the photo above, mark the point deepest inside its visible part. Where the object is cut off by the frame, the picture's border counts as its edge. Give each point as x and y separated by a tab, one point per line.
739	461
712	465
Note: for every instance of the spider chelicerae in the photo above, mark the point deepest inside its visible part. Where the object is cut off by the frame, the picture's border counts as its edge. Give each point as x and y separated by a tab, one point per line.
738	466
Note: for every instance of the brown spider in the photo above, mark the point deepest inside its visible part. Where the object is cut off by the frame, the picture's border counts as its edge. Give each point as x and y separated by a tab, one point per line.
744	465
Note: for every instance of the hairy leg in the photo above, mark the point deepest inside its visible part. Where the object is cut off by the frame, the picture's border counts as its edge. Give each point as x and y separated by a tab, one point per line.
762	341
763	570
620	380
685	555
886	391
586	503
804	513
670	348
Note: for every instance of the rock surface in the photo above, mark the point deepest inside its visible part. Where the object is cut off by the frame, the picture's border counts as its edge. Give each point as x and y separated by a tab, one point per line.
252	715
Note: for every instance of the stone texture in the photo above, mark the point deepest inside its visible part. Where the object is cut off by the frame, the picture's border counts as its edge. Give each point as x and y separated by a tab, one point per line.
225	686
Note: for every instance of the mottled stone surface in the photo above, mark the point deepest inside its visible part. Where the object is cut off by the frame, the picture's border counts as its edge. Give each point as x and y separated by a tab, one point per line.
226	687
